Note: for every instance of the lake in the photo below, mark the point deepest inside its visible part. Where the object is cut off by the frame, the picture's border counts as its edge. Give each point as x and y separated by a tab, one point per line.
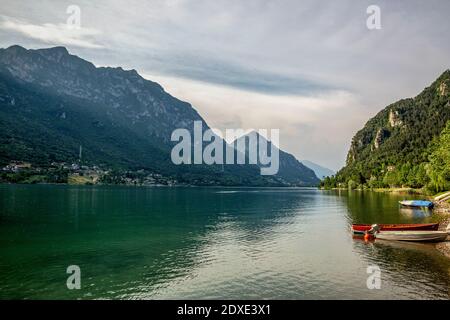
208	243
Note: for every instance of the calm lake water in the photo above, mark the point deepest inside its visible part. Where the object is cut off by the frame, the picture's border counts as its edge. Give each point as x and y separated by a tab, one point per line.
207	243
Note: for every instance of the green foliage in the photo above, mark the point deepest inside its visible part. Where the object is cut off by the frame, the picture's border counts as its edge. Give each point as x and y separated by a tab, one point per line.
438	168
352	184
405	145
35	176
391	179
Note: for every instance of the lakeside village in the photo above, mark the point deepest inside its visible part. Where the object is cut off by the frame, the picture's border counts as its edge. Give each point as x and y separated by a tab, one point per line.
79	174
76	173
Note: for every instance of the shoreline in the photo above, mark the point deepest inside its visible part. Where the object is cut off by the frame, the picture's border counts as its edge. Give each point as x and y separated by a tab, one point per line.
387	190
160	185
442	211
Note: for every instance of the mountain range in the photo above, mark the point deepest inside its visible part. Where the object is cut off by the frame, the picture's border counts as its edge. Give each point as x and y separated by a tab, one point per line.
53	102
320	171
290	170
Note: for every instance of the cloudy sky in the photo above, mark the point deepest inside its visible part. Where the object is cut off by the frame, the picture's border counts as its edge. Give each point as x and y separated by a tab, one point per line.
310	68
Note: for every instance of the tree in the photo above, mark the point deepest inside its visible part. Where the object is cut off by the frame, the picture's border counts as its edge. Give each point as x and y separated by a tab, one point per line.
438	168
391	178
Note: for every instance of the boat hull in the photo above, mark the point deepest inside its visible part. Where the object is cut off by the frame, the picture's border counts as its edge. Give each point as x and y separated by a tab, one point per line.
362	228
416	204
416	236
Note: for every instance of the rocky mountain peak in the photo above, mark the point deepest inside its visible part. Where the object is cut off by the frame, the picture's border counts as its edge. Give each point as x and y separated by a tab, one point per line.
15	49
394	119
55	53
442	84
143	103
291	170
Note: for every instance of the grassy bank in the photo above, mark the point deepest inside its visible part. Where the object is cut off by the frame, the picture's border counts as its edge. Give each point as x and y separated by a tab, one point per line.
393	190
79	180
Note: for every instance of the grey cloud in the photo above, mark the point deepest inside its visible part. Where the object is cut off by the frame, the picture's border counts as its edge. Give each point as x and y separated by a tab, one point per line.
223	73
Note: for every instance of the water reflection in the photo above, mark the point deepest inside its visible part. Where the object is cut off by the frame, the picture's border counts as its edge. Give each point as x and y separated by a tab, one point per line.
416	213
378	207
414	270
204	243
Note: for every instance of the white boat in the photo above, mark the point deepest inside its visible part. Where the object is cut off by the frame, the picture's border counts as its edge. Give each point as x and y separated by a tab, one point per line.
420	236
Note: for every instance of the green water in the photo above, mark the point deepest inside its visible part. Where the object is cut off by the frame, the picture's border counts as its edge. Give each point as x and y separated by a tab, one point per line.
206	243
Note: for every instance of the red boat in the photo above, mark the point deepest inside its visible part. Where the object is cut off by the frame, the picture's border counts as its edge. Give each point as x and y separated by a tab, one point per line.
362	228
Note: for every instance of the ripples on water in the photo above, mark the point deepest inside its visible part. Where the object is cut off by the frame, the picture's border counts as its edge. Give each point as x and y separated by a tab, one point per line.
165	243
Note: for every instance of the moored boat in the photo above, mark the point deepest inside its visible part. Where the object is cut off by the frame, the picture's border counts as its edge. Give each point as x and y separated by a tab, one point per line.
418	235
362	228
417	203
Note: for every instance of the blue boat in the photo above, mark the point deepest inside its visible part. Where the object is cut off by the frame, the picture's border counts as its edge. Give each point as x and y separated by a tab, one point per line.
417	203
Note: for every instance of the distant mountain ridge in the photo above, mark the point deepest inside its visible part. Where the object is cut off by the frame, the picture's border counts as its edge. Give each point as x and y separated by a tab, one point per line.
320	171
291	171
51	102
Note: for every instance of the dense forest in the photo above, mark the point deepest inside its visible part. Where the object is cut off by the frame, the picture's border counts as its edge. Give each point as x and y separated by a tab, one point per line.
405	145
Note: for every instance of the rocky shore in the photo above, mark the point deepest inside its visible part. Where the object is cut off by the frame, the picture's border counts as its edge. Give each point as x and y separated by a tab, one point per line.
442	210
